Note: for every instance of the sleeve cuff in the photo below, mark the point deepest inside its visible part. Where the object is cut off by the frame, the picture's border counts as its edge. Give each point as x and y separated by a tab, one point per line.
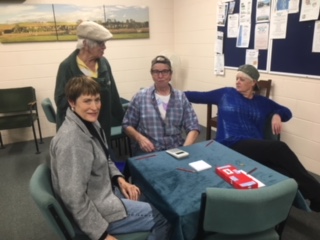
115	180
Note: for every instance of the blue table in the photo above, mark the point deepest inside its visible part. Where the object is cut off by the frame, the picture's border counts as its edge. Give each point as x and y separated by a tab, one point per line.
176	194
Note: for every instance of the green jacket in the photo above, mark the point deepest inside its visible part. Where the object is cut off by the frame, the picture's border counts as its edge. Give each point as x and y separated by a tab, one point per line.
111	113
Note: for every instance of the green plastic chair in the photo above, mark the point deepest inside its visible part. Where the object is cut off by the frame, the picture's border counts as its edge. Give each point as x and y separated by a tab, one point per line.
118	136
49	110
42	193
18	109
256	214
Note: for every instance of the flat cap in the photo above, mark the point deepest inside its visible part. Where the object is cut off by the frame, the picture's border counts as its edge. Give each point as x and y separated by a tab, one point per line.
93	31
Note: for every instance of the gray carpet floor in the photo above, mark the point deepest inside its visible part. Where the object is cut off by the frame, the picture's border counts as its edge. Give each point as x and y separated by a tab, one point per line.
21	220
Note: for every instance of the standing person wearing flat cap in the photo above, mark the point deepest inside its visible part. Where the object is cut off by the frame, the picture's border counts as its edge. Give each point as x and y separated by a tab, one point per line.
88	60
241	122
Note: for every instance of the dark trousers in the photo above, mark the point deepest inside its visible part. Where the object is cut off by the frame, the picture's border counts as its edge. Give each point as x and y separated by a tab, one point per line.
279	157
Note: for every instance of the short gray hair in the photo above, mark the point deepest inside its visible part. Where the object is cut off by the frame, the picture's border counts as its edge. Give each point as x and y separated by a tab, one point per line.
90	43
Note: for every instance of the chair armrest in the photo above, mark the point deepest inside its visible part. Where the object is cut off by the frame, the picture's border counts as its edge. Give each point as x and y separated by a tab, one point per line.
32	105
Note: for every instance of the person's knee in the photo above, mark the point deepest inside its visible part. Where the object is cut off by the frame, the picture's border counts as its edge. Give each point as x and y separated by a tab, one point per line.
279	145
282	152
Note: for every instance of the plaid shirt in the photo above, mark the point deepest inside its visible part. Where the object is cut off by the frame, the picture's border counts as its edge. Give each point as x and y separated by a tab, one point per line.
143	114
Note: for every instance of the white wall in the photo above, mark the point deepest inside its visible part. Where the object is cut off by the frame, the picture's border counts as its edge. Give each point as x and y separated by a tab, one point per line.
186	31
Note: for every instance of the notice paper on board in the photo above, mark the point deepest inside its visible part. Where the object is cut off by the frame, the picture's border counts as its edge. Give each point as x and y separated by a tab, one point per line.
200	165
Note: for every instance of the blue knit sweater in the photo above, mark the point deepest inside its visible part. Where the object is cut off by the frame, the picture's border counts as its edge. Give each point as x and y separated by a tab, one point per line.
239	118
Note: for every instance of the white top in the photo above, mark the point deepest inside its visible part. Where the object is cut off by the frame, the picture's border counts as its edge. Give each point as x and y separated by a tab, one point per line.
162	104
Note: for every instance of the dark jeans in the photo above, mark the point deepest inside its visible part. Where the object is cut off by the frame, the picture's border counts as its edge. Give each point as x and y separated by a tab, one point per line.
279	157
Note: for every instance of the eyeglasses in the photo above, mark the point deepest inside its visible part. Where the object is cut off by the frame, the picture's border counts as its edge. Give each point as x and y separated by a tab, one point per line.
163	72
100	43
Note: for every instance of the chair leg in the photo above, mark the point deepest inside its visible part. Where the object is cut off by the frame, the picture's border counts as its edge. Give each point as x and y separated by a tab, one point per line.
116	143
201	232
129	146
209	116
40	134
119	145
1	143
208	137
126	172
280	227
35	139
125	145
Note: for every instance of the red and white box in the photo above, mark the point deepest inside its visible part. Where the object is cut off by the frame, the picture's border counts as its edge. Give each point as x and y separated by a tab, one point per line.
237	178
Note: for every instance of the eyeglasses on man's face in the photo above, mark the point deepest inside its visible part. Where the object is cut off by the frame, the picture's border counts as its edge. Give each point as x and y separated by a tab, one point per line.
100	43
165	72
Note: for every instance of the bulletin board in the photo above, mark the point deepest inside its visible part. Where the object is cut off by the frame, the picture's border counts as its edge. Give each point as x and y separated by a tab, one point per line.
292	55
234	57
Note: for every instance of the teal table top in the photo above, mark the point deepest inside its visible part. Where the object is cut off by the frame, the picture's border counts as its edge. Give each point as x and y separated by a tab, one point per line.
177	194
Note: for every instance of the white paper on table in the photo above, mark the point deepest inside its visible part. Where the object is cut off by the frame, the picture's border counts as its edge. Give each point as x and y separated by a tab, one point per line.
200	165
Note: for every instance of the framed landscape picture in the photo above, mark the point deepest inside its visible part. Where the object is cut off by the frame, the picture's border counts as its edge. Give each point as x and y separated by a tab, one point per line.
58	22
